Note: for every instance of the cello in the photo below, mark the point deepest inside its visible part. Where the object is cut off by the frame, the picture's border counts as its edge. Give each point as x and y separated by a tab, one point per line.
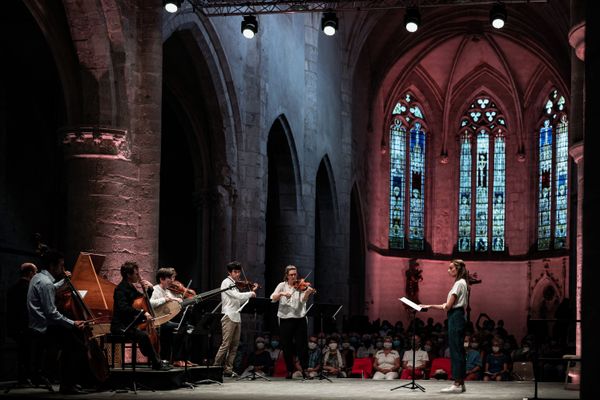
72	305
148	325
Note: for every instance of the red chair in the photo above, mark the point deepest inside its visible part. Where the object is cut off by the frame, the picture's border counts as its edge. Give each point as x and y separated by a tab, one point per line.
362	367
280	369
440	363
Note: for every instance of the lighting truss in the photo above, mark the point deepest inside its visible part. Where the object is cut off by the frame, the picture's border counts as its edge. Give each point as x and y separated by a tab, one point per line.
214	8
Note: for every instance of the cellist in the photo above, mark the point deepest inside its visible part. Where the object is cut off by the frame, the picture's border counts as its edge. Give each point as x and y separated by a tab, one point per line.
125	315
50	327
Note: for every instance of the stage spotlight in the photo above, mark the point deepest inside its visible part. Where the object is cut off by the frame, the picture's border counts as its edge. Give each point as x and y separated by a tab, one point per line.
498	15
172	5
412	19
249	26
329	23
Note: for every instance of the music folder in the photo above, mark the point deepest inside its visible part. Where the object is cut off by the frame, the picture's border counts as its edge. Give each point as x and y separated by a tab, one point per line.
412	304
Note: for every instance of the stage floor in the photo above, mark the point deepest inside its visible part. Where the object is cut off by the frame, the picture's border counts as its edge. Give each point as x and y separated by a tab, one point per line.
358	389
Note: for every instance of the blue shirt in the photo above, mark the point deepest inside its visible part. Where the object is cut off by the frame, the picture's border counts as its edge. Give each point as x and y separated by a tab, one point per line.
473	359
41	305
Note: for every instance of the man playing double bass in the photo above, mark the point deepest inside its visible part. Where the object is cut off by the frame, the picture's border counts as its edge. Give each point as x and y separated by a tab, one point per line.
125	315
49	327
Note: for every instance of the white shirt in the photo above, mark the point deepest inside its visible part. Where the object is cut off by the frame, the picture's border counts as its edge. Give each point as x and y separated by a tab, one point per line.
294	307
160	296
387	361
232	300
460	290
421	357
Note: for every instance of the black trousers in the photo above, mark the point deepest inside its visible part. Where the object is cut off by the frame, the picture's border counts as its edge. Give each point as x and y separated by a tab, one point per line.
74	366
174	345
295	341
143	342
23	339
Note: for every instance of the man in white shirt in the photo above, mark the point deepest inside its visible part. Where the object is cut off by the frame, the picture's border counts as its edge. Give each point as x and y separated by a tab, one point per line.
231	323
421	360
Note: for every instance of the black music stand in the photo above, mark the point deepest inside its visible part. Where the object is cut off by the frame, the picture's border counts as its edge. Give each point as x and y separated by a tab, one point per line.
255	306
180	330
208	321
414	308
321	311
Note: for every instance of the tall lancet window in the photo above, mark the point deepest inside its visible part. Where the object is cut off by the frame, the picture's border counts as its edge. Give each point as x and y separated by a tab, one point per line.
407	175
482	177
553	147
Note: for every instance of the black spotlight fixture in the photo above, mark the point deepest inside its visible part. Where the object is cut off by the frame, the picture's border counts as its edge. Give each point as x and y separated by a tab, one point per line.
249	26
329	23
172	5
498	15
412	19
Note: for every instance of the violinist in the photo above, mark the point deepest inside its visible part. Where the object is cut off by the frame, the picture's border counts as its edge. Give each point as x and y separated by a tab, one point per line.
168	340
231	323
292	295
124	314
50	327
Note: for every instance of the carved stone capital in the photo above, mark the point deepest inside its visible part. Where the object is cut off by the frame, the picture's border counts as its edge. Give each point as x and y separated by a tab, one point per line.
577	40
96	142
576	151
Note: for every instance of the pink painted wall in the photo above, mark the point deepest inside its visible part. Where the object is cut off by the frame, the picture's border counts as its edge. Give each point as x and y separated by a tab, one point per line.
504	292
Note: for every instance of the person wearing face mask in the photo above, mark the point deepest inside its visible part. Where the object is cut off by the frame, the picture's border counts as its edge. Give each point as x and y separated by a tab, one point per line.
473	361
455	305
421	361
259	360
314	359
273	348
348	355
496	363
387	361
333	363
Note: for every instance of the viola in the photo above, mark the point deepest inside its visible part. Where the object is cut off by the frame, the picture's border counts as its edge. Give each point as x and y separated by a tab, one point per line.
177	287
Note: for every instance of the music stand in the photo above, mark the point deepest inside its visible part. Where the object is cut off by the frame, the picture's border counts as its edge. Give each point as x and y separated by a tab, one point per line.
414	308
205	326
323	310
181	329
254	306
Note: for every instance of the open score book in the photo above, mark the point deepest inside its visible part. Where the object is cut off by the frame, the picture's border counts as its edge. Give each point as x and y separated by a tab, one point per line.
410	303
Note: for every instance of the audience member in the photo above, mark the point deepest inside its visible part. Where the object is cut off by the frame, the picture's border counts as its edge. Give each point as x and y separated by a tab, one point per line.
387	361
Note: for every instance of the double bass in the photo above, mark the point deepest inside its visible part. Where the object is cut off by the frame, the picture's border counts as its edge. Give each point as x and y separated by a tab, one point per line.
71	304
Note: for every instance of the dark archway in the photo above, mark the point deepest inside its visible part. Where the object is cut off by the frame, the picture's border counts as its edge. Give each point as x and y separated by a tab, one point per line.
282	205
356	255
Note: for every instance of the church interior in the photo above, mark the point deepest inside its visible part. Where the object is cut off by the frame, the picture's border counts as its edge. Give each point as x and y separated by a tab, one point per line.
369	158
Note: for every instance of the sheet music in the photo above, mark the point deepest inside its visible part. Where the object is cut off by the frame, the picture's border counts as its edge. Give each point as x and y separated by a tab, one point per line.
410	303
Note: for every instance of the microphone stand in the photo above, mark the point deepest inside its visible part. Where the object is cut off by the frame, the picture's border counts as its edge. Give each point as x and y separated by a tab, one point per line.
412	384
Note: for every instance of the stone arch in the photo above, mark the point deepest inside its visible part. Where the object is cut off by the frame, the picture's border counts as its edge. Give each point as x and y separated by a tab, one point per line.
357	254
197	186
283	202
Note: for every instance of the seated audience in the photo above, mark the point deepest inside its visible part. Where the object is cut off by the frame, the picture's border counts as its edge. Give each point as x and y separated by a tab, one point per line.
496	363
387	361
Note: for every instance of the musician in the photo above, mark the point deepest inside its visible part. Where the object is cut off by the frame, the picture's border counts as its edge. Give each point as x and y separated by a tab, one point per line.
49	326
124	314
231	323
169	340
18	321
292	319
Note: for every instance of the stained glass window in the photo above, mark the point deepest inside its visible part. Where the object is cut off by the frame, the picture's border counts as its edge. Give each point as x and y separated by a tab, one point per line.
553	166
481	206
407	164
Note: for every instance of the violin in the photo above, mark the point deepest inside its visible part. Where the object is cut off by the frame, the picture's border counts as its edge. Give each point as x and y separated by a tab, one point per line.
302	285
177	287
246	285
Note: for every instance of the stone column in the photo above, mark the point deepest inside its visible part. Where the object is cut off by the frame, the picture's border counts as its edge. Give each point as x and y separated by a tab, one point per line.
576	120
100	179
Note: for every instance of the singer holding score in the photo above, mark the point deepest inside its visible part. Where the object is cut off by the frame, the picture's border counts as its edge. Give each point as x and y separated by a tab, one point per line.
455	306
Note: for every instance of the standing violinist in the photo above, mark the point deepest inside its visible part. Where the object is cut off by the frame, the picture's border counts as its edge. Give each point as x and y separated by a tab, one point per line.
292	299
50	327
170	342
231	323
124	313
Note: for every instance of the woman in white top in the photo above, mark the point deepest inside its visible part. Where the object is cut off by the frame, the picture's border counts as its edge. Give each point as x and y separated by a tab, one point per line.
455	307
292	319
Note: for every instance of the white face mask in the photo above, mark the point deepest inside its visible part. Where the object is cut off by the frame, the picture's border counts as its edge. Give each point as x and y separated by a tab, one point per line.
312	345
332	346
260	345
387	345
495	349
466	344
